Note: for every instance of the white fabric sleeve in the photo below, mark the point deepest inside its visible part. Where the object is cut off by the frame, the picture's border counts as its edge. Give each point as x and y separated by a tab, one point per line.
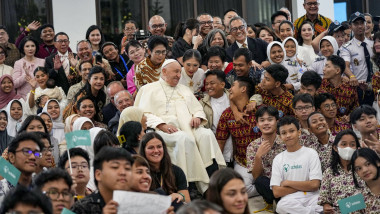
314	166
276	177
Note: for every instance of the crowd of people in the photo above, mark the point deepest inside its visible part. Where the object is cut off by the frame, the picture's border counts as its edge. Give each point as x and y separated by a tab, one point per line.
222	111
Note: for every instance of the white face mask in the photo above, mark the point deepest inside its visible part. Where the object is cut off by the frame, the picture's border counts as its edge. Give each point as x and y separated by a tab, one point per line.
346	153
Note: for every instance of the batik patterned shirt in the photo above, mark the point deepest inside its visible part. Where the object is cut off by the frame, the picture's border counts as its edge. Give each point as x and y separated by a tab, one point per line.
324	151
336	187
242	134
371	200
267	160
338	127
346	96
283	102
146	72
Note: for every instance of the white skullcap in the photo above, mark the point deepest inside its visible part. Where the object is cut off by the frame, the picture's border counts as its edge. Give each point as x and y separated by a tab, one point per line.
167	62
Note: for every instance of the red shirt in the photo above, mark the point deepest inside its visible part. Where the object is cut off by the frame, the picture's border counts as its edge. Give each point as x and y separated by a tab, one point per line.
242	134
283	102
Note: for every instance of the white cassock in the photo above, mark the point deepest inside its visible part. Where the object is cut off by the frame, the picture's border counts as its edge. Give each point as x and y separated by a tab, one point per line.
191	149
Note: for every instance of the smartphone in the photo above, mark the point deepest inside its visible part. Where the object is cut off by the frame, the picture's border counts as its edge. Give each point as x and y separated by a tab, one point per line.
98	58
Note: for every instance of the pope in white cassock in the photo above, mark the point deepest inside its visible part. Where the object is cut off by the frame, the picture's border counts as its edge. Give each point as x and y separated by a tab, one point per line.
174	112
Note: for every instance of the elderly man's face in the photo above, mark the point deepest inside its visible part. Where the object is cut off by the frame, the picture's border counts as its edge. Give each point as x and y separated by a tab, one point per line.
84	51
238	30
311	7
157	26
112	91
206	24
123	100
3	36
62	43
172	73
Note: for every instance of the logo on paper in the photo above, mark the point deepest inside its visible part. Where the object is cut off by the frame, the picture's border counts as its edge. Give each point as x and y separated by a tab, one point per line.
75	138
8	171
286	167
348	204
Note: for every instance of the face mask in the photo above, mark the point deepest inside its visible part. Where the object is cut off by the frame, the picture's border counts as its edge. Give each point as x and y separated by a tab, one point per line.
346	153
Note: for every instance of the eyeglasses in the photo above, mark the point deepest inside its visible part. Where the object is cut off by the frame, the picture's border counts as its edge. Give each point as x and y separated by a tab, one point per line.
2	53
206	22
129	29
76	166
158	26
328	106
160	52
2	33
28	152
63	41
312	4
235	29
300	109
49	149
53	194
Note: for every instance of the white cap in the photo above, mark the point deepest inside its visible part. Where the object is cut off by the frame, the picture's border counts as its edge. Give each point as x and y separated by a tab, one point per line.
167	62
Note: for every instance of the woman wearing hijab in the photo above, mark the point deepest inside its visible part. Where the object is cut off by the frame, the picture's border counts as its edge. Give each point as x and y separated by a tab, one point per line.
54	110
7	90
15	116
295	70
82	123
69	122
132	114
54	141
328	46
5	139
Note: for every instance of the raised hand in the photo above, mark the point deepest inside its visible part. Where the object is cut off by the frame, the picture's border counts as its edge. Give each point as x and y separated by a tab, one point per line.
73	60
34	25
57	62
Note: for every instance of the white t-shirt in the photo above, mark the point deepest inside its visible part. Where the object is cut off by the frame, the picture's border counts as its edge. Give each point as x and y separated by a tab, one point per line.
218	106
301	165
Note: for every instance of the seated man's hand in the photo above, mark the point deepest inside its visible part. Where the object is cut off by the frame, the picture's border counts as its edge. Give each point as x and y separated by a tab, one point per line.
239	117
167	128
256	65
195	122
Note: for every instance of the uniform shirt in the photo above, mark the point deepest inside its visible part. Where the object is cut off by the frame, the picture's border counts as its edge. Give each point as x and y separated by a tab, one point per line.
336	187
283	102
295	73
324	151
318	65
346	96
353	52
242	134
371	200
267	160
338	127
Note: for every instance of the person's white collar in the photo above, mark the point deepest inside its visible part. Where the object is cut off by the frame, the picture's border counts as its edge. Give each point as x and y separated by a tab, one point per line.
240	45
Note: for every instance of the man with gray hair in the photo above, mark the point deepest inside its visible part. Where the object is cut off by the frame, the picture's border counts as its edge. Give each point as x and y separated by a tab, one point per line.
123	99
110	109
258	47
174	112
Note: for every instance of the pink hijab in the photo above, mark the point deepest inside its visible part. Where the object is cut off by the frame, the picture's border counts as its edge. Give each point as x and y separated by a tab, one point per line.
6	97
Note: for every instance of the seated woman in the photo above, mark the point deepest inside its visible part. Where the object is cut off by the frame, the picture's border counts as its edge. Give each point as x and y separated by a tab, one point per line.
136	53
5	139
49	125
227	190
191	75
47	159
93	89
339	172
130	136
164	174
295	69
7	91
5	69
215	59
82	123
15	116
44	89
215	37
86	108
54	110
141	179
366	164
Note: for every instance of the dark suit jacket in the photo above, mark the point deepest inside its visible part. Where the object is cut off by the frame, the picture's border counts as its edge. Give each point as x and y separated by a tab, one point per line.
258	48
60	76
109	111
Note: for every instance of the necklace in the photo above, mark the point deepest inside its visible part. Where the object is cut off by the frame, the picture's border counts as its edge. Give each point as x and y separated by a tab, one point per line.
167	99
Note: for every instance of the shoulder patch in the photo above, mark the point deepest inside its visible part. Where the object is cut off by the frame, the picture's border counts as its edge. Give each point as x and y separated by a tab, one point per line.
347	44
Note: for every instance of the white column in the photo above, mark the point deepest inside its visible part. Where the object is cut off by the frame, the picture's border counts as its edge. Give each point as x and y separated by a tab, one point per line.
73	17
326	8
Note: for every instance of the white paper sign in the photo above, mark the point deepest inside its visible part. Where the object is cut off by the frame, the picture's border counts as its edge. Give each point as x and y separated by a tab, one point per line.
140	203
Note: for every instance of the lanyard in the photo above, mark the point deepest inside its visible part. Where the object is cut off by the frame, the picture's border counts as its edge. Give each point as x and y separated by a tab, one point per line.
125	65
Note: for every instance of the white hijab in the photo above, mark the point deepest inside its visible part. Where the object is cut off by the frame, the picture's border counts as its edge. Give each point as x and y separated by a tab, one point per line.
295	42
58	125
333	42
77	125
269	49
14	125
